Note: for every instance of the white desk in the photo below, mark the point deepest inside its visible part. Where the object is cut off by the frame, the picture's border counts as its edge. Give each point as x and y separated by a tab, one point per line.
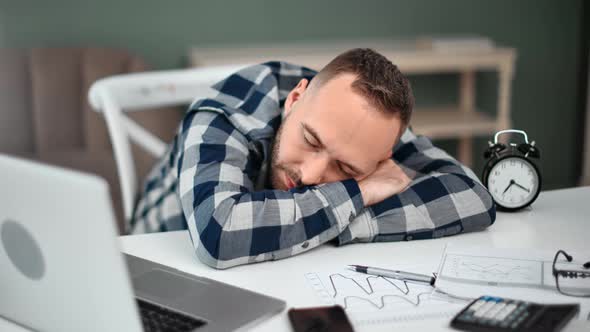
558	220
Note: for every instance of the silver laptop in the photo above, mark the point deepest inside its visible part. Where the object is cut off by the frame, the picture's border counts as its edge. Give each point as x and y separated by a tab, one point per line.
61	268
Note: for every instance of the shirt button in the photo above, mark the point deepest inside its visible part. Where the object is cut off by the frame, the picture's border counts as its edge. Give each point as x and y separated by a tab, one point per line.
305	245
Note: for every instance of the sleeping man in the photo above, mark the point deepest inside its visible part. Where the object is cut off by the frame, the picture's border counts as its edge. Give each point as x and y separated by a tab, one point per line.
283	159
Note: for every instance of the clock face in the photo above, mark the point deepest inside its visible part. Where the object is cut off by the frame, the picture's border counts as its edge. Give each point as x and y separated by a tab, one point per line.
513	182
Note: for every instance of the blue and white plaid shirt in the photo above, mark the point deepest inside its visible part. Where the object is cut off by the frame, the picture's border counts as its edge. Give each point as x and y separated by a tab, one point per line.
214	181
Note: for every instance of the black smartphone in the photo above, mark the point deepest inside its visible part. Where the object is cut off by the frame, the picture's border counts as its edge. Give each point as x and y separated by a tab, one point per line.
320	319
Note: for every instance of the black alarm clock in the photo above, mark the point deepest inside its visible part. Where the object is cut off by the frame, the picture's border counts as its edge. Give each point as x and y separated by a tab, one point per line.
510	174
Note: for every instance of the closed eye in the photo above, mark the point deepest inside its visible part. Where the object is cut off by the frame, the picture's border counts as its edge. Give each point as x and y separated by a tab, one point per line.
344	168
308	142
346	172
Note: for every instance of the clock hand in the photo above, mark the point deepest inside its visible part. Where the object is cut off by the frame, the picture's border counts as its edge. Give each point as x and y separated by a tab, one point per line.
521	187
508	187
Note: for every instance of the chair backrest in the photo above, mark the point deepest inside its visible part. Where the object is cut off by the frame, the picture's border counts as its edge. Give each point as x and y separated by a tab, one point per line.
133	92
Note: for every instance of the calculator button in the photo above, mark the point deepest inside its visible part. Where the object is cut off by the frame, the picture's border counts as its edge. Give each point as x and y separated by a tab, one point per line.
518	322
477	304
464	316
467	318
514	325
492	313
511	317
505	312
483	309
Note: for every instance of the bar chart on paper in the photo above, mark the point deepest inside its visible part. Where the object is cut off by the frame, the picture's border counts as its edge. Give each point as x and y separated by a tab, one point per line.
371	299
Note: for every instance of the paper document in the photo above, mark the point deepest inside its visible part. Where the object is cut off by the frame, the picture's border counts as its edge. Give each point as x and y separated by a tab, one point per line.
470	272
371	299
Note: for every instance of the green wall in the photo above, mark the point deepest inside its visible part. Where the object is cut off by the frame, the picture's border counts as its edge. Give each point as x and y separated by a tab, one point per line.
546	33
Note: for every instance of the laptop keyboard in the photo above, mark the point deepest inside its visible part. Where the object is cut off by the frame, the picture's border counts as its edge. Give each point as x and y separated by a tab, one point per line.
159	319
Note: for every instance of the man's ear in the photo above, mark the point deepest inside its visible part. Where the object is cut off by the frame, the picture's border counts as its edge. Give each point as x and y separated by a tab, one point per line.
295	94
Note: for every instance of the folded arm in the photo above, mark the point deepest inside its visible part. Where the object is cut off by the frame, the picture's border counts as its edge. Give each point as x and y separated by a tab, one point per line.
230	223
443	198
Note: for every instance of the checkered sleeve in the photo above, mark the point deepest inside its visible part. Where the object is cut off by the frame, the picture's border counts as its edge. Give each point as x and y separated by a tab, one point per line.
232	224
444	198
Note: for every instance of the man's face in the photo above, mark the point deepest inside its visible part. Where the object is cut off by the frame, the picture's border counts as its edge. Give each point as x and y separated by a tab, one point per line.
330	134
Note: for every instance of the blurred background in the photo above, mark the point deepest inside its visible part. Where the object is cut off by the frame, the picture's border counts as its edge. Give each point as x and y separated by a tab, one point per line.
52	51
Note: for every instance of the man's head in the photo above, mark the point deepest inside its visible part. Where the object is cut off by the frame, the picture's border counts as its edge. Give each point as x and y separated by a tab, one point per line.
342	123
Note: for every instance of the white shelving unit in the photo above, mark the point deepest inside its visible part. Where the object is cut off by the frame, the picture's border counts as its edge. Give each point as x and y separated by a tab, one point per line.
460	121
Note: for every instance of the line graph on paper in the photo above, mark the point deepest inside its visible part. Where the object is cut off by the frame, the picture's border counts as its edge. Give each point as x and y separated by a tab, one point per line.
372	299
492	270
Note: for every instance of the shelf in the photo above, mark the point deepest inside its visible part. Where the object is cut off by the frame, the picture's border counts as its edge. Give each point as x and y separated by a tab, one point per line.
315	55
461	122
451	122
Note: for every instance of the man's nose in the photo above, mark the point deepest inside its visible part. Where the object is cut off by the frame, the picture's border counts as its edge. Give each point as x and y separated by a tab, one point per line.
314	169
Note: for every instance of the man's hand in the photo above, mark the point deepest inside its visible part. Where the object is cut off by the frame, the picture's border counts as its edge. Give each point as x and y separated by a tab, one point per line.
387	180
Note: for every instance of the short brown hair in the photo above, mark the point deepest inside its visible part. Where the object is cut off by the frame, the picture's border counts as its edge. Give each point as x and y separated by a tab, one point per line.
378	80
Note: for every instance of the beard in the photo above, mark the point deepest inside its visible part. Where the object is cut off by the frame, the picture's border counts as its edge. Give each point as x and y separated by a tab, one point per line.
277	181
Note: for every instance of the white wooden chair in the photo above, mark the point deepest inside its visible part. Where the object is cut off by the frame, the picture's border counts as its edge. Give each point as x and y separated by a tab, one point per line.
116	95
